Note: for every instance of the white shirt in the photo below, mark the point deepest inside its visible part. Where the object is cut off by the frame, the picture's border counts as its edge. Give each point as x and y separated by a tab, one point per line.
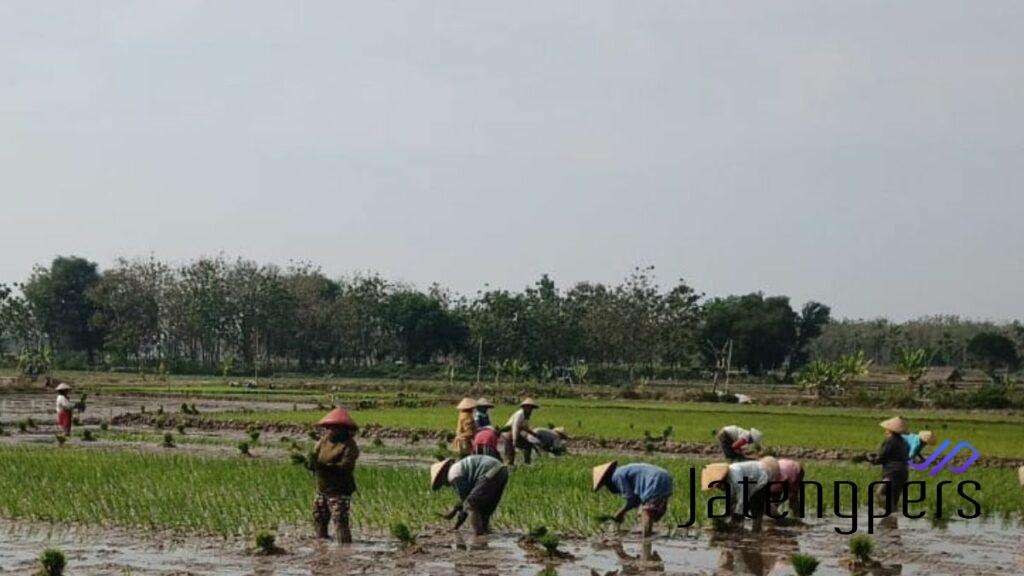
517	421
64	403
737	433
757	478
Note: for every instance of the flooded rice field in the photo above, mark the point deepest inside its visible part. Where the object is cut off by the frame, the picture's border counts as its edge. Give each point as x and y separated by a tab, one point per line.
911	548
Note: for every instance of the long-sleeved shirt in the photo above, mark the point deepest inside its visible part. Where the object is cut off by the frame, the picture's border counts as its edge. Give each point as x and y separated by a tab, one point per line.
335	466
519	422
914	445
755	474
641	483
740	436
893	455
465	473
547	439
481	418
64	404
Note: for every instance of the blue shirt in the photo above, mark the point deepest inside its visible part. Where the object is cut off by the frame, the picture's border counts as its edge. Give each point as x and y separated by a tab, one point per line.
642	482
914	443
481	419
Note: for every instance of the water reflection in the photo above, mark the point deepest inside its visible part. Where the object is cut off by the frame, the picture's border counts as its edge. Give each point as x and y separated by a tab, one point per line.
753	553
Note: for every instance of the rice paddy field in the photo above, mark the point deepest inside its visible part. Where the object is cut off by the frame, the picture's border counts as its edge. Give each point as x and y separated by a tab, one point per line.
123	479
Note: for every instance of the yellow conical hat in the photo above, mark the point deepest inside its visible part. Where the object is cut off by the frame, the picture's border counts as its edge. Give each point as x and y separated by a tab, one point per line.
602	472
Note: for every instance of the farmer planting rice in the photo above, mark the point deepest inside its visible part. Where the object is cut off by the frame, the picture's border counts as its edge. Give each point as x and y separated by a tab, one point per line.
892	457
641	485
733	439
480	415
486	442
480	482
333	462
551	441
64	409
519	433
916	442
791	474
465	429
744	484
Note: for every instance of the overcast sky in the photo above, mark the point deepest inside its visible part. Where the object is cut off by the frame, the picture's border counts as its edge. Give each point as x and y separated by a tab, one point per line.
864	154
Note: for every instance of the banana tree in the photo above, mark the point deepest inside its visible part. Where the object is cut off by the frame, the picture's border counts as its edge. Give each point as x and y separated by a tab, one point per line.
912	365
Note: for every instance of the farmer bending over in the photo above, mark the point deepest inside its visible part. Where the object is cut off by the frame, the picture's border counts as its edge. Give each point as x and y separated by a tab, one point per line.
754	474
550	441
640	485
791	475
917	442
486	442
64	409
480	481
519	433
733	439
333	461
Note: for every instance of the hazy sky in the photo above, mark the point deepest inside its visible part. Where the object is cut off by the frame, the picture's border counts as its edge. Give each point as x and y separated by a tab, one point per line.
865	154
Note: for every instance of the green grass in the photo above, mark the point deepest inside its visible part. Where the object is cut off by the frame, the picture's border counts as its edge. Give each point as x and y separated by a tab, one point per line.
233	495
828	428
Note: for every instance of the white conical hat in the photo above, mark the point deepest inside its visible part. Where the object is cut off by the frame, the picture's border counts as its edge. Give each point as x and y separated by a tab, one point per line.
62	387
438	471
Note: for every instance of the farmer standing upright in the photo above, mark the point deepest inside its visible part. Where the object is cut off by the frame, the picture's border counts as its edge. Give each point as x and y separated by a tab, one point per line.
519	433
65	409
892	457
479	480
640	485
465	429
480	416
333	462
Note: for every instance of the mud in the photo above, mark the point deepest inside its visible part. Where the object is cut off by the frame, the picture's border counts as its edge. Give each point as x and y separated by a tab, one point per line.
911	548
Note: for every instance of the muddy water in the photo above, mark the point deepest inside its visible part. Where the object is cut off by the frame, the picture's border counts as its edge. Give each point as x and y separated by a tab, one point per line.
907	549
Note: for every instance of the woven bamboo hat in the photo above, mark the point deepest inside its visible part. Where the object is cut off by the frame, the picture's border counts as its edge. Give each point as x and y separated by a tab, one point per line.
484	403
62	387
713	473
529	402
602	472
896	425
467	404
927	437
338	417
439	471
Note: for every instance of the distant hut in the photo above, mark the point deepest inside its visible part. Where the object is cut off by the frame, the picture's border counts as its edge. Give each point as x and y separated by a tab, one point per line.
942	375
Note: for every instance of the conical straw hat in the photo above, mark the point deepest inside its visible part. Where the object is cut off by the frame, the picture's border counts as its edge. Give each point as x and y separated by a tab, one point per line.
338	417
602	472
896	425
561	432
1020	474
62	387
467	404
484	403
927	437
529	402
713	473
438	471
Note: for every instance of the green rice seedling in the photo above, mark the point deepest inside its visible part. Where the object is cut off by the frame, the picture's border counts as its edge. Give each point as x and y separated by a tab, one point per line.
61	439
377	442
254	435
295	446
104	426
649	447
313	434
298	458
87	436
30	423
414	438
180	428
550	543
52	562
441	454
284	439
548	570
168	441
159	422
401	532
195	411
243	448
804	564
184	409
861	548
3	432
160	410
266	543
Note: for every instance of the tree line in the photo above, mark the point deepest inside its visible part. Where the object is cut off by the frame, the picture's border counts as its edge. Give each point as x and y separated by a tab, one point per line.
215	314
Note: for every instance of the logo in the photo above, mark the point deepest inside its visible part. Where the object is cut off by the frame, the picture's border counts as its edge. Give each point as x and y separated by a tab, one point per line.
957	469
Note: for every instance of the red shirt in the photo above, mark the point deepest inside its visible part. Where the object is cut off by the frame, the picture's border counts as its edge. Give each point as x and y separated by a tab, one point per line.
486	437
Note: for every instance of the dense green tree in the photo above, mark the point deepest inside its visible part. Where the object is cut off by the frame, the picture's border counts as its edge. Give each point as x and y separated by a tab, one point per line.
423	327
993	351
763	330
59	299
126	303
